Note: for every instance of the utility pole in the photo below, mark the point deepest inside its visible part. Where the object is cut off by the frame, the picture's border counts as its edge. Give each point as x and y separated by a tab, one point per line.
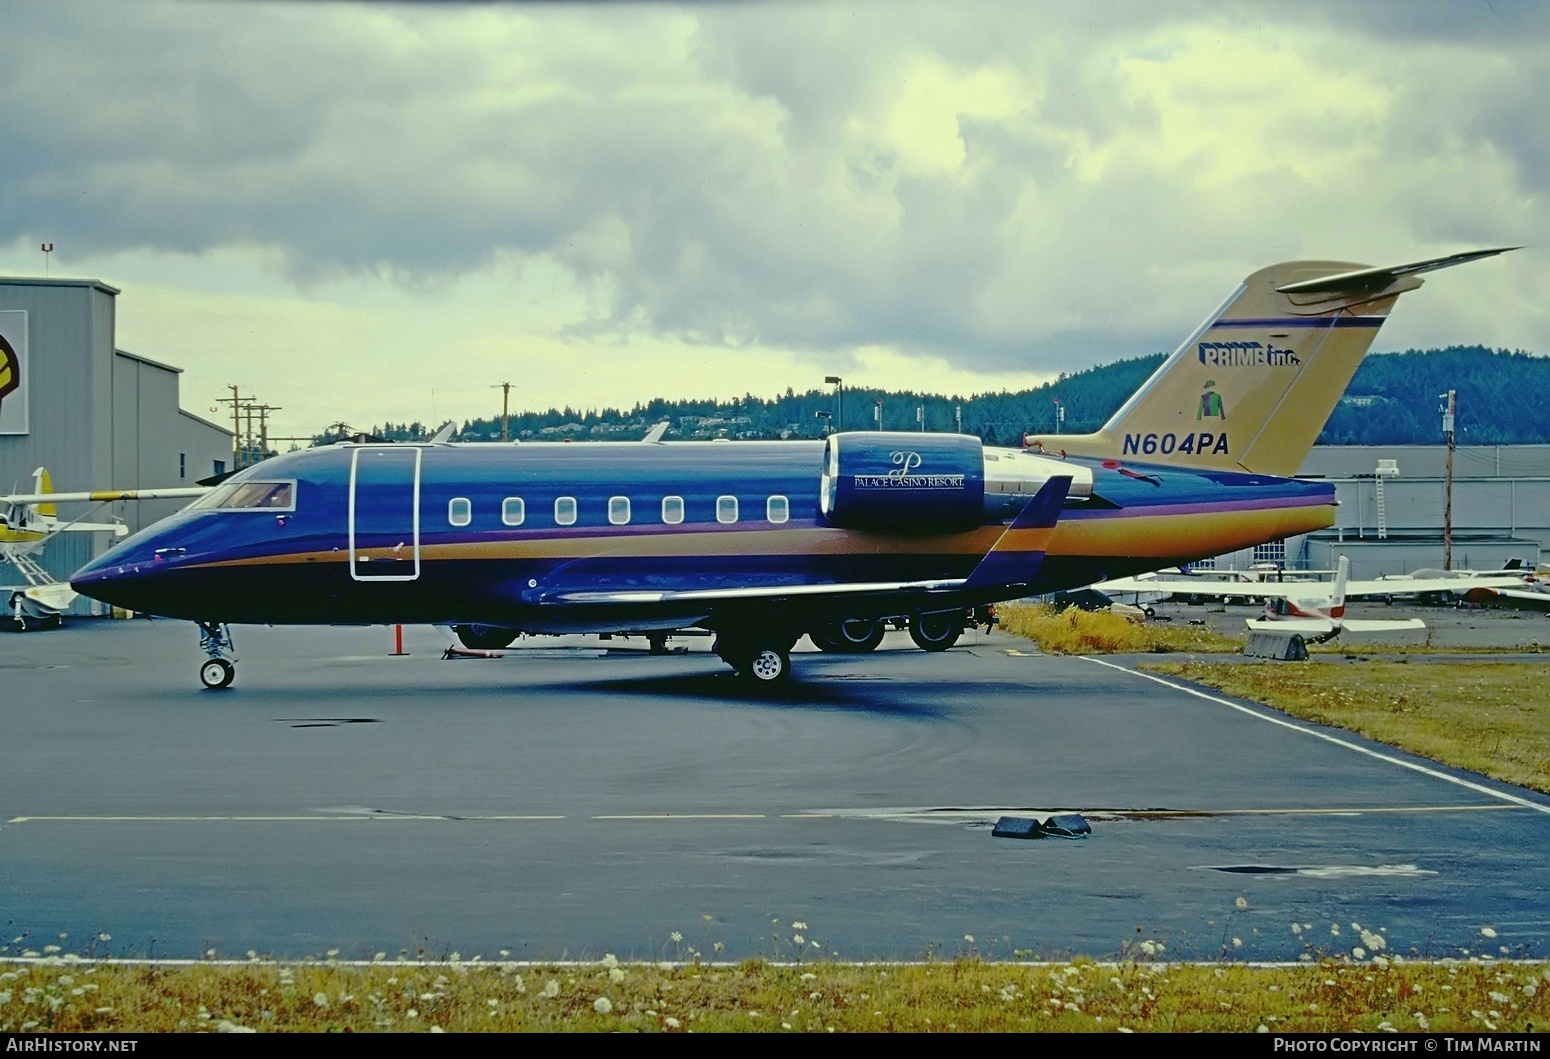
48	249
1060	415
235	400
839	400
505	389
958	416
1449	418
920	417
263	411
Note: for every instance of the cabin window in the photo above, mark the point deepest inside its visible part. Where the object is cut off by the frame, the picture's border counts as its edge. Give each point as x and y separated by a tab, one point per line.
513	511
459	511
619	510
182	465
672	510
565	511
726	509
249	496
777	509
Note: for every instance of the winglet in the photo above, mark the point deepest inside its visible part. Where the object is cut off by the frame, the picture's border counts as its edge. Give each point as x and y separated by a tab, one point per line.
1011	561
654	435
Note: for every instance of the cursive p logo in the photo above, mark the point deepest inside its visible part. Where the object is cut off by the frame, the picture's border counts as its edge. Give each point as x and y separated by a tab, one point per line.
10	370
903	462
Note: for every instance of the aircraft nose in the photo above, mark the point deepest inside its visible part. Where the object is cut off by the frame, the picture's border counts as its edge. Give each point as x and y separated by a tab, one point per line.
110	579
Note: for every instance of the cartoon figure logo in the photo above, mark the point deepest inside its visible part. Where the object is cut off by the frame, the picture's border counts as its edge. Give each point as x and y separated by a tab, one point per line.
10	371
1210	404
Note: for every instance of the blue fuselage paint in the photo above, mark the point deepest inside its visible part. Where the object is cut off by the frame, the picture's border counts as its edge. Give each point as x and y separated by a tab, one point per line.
406	533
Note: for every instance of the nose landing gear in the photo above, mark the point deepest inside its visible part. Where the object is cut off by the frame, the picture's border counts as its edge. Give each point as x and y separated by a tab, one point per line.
215	641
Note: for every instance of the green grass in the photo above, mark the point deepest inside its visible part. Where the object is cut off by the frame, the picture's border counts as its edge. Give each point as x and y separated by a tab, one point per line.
961	995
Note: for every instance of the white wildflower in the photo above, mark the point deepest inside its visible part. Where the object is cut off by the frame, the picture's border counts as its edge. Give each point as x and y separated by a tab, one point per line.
799	925
1487	932
226	1026
1237	943
676	937
1242	902
1359	952
616	974
610	961
552	988
797	939
603	1006
1373	941
320	999
969	938
671	1023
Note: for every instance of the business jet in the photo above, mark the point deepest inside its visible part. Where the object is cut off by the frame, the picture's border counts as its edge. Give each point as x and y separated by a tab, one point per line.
763	542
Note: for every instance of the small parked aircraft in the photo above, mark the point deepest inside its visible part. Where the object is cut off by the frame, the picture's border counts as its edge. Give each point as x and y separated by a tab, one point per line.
763	542
1319	616
28	521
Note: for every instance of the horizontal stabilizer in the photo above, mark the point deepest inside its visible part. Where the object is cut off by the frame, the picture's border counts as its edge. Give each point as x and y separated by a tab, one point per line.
1371	279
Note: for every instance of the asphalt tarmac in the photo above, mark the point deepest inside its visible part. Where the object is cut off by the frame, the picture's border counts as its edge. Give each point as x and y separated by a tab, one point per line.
564	802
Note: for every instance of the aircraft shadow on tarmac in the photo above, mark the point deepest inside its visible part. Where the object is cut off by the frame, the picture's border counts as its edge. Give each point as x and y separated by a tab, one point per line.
921	700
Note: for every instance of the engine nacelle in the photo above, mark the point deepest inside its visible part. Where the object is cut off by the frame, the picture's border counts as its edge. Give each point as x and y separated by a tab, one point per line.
898	481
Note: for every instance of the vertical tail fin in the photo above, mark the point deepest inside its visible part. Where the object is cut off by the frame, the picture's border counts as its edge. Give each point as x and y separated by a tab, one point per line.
42	482
1337	601
1253	387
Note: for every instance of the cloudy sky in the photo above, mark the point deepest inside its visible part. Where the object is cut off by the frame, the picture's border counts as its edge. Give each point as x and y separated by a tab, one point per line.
370	211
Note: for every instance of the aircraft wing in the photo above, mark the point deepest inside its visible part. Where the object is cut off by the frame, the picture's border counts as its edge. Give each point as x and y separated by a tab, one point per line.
1405	586
1516	598
104	496
1009	562
1200	586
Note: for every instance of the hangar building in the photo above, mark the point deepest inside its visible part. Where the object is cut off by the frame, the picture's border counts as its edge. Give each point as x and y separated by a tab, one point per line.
1392	505
96	416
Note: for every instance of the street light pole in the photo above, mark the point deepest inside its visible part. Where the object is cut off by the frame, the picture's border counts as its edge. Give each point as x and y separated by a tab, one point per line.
1448	419
839	400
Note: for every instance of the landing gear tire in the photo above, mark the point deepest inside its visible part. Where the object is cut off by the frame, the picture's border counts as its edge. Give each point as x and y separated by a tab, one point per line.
767	667
217	674
854	636
761	659
485	637
936	632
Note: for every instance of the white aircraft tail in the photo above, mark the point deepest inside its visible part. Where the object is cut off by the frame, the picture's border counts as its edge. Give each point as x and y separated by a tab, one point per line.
1337	600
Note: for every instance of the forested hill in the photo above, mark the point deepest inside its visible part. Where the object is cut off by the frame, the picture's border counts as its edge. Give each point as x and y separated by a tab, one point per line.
1396	399
1391	401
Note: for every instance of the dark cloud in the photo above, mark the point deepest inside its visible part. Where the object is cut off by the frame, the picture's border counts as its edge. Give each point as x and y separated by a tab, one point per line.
725	173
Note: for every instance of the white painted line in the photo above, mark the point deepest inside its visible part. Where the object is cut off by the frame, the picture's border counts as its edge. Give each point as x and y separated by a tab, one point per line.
1305	730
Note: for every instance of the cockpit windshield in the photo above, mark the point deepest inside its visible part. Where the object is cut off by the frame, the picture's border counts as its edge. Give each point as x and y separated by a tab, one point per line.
249	496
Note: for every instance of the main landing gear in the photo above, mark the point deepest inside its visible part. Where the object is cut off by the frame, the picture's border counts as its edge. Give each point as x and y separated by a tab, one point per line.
215	641
763	659
852	636
936	632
